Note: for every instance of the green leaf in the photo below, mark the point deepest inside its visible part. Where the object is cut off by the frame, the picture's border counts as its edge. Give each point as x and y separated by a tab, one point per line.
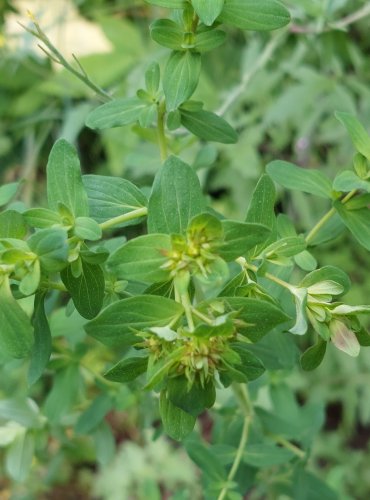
175	199
7	192
307	180
167	33
327	273
19	456
141	258
239	237
286	247
347	181
116	324
264	15
306	486
255	317
266	455
87	291
50	245
152	78
313	356
110	197
181	77
250	365
87	229
206	460
60	399
208	40
169	4
64	182
94	414
127	370
208	126
12	225
23	411
357	132
42	218
208	10
116	113
16	336
176	422
192	400
357	221
41	349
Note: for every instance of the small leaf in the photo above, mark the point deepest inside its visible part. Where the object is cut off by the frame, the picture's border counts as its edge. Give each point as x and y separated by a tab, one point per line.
264	15
250	365
87	290
141	258
152	78
208	126
327	273
347	181
208	10
207	461
208	40
50	245
176	422
266	455
127	370
175	199
7	192
314	355
42	218
94	414
116	324
358	134
167	33
64	182
16	336
181	77
239	237
297	178
41	350
193	400
12	225
116	113
87	229
357	221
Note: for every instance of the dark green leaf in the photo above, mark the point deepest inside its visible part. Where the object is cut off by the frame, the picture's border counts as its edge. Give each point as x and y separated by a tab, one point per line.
87	291
116	324
64	182
116	113
357	221
127	369
239	237
41	350
205	460
314	355
192	400
181	77
307	180
251	366
306	486
141	258
175	199
255	317
358	134
266	455
208	126
176	422
261	15
16	337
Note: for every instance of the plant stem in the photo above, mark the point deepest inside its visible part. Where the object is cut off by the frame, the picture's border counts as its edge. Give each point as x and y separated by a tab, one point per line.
310	236
242	396
185	300
243	263
139	212
289	446
161	112
58	58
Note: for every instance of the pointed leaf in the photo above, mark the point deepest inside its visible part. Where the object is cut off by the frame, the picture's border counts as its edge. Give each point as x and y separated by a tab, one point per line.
176	422
41	349
208	10
261	15
208	126
116	113
181	77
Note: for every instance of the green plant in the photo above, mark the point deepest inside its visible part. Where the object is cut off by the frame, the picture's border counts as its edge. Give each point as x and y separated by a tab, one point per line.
199	302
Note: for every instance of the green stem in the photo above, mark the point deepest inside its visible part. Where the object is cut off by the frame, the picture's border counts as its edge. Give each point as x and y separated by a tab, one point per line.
140	212
162	142
185	300
289	446
241	261
310	236
245	405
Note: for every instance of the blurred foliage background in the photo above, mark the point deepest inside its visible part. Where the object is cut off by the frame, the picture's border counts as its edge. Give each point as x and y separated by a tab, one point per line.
280	91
